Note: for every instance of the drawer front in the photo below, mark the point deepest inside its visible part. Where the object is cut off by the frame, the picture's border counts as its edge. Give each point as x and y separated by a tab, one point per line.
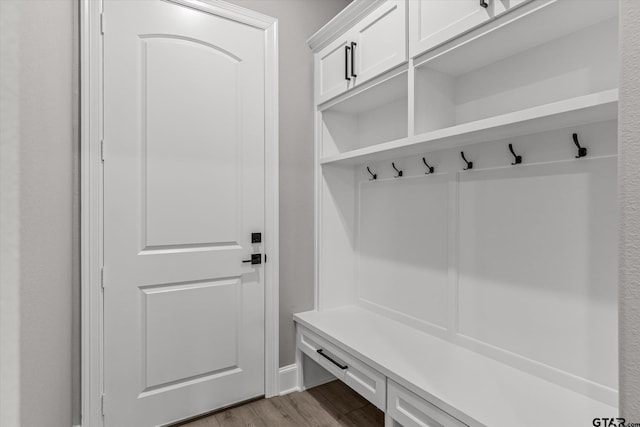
411	410
370	383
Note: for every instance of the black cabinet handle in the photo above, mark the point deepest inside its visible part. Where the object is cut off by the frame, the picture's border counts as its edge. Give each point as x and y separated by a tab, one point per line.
321	353
353	61
484	4
346	62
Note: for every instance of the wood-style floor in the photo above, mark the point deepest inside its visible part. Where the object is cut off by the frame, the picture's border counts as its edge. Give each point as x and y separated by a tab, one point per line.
332	405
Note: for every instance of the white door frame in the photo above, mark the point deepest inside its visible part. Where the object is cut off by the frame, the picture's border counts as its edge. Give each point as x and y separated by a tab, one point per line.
91	28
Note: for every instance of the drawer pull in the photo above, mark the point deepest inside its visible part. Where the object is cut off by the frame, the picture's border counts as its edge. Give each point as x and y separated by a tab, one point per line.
347	49
321	353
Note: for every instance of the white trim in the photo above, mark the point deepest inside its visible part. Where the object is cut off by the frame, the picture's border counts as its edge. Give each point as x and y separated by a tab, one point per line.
230	11
290	382
272	214
288	379
90	211
91	196
316	376
344	20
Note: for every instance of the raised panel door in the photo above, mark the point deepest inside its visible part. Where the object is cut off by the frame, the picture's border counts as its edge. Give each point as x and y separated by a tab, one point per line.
381	41
433	22
184	149
333	69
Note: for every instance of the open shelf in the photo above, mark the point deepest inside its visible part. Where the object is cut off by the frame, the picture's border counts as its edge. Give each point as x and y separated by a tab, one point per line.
372	115
585	109
530	26
450	91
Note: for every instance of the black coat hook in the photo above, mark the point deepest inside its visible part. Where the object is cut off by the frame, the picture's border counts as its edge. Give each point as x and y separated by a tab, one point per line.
373	175
582	151
430	168
396	169
469	164
518	159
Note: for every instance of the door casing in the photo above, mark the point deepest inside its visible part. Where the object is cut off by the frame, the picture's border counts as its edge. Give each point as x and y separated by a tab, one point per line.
92	26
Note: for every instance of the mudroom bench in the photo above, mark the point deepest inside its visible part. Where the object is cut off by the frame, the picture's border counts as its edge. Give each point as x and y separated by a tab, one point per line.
420	380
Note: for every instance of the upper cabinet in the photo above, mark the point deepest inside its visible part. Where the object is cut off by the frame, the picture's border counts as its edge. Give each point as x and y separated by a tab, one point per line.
333	69
504	5
433	22
381	41
375	44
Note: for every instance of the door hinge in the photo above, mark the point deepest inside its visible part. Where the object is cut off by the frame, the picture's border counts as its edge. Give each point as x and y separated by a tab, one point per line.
102	405
265	258
102	150
102	278
102	23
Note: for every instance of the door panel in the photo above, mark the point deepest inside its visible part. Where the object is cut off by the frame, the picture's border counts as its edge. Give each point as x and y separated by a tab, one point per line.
382	40
433	22
201	336
183	191
331	65
187	178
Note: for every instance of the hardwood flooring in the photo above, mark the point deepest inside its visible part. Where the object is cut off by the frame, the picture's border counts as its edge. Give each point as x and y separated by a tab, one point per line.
329	405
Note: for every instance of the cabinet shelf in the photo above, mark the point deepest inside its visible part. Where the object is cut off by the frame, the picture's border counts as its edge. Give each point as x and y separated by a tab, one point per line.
581	110
517	32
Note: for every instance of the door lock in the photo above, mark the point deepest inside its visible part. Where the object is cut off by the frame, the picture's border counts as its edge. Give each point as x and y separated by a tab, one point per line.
255	259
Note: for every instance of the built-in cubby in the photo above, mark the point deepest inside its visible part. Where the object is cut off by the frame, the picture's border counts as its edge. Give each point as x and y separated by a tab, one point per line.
461	86
467	221
517	262
366	117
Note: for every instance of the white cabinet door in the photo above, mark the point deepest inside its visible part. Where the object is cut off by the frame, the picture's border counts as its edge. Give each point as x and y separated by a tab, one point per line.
333	69
432	22
380	41
184	152
502	6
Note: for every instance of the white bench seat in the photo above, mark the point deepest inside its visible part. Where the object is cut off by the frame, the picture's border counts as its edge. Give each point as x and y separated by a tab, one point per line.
473	388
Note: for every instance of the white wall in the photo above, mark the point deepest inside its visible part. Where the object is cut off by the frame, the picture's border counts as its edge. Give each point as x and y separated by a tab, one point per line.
297	20
629	193
9	215
42	94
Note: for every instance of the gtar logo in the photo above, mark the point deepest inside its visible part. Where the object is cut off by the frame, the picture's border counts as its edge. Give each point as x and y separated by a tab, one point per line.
609	422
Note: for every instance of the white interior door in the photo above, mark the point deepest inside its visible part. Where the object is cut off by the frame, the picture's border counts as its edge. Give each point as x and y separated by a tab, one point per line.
183	191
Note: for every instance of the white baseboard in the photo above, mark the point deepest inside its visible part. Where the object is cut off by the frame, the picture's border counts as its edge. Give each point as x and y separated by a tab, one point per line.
314	375
288	379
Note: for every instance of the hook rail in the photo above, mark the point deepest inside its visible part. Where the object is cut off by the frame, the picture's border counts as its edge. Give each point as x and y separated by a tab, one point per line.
397	170
429	168
582	151
374	176
518	159
469	164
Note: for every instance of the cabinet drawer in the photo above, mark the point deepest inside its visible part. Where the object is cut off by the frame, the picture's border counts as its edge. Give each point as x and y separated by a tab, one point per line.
411	410
370	383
